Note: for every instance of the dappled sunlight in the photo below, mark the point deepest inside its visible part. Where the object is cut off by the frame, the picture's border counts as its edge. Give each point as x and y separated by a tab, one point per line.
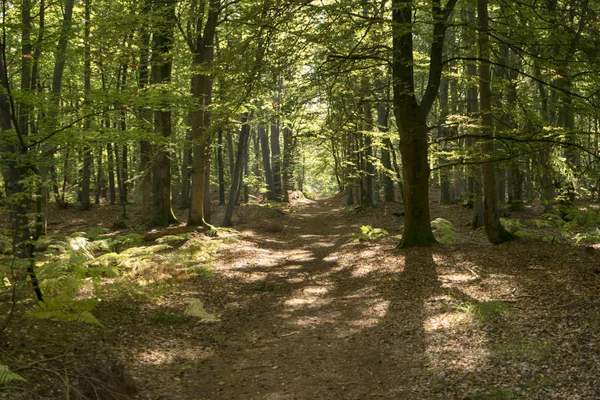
449	320
173	353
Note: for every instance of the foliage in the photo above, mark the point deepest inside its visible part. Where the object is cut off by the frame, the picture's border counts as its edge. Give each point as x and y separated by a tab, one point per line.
367	232
65	309
6	376
444	229
196	309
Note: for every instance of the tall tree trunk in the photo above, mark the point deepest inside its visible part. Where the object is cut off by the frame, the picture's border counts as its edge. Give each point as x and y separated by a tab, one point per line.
266	160
493	228
112	192
88	160
15	160
100	192
162	212
368	156
411	117
445	197
287	163
220	167
145	115
236	179
386	160
202	45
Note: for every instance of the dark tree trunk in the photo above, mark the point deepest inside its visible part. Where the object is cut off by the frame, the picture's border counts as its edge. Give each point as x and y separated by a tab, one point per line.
411	117
112	192
266	159
221	168
162	212
100	190
145	116
202	46
287	170
236	179
493	228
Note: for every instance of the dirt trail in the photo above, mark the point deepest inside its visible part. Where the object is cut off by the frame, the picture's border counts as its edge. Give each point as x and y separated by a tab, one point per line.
307	321
308	315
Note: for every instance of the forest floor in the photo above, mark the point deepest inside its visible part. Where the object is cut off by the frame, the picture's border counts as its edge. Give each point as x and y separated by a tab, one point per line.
305	312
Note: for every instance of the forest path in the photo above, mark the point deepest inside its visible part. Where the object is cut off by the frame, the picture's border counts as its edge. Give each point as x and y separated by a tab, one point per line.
308	319
308	314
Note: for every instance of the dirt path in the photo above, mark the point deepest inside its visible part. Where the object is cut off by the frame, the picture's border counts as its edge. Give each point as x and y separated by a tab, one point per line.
308	315
307	321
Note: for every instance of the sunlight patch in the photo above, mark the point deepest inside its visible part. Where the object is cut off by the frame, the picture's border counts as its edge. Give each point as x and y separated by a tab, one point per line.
447	321
458	278
315	290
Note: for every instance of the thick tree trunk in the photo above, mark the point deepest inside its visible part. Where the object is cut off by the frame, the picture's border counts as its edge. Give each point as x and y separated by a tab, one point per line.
203	48
162	212
411	117
15	162
417	225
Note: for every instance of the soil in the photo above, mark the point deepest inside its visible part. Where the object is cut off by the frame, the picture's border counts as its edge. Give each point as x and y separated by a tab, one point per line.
307	313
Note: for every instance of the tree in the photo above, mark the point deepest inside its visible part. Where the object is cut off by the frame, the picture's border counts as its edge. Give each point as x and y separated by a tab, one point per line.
411	115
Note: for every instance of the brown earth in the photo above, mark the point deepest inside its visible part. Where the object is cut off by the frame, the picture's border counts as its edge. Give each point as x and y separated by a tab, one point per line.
308	314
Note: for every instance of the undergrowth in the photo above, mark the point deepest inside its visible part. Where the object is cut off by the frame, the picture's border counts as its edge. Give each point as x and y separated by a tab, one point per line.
77	271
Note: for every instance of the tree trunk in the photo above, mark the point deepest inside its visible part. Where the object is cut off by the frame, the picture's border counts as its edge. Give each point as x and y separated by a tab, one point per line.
111	174
221	168
203	48
287	170
145	116
493	228
266	159
411	117
236	178
162	212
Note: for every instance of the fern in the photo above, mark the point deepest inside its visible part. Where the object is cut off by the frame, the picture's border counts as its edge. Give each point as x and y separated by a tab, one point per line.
64	309
196	309
367	232
6	376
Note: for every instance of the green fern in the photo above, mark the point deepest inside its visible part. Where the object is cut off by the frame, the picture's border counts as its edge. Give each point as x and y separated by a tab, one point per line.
64	309
367	232
6	376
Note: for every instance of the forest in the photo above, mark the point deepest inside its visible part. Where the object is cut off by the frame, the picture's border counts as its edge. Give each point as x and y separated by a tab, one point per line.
311	199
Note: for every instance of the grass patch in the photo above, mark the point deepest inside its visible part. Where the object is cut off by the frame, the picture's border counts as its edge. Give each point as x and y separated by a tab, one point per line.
485	311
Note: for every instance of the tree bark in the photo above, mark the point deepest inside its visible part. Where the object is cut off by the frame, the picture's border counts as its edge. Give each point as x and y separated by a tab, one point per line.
266	160
202	45
411	117
493	228
162	212
236	179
